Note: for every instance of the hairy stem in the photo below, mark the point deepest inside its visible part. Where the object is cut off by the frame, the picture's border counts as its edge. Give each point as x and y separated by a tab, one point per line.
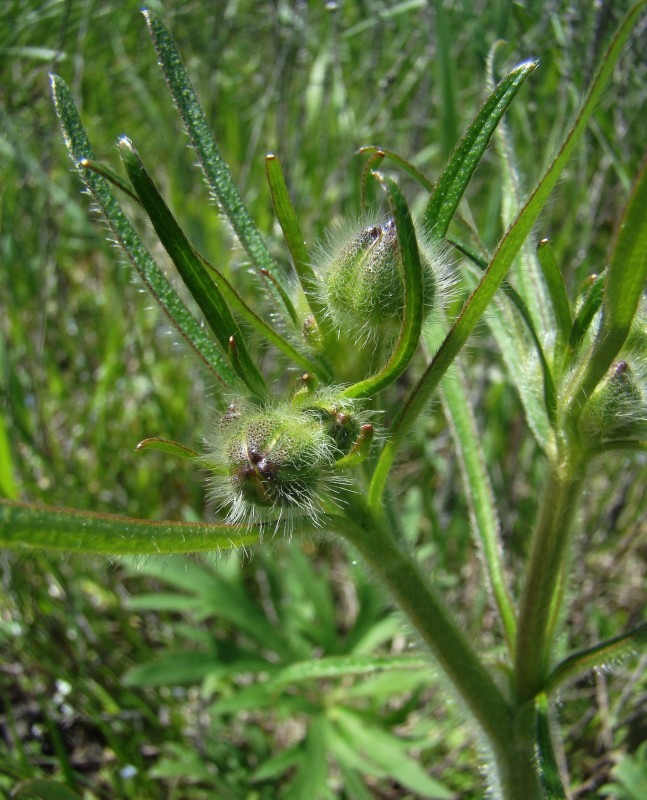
550	547
510	734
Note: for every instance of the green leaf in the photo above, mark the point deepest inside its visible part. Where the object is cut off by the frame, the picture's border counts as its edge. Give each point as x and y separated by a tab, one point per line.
173	669
289	223
383	152
152	276
341	666
627	270
556	290
111	176
227	599
590	307
624	284
215	169
44	790
597	656
278	764
192	270
49	528
500	262
413	315
311	779
478	491
8	486
381	748
548	768
450	188
167	446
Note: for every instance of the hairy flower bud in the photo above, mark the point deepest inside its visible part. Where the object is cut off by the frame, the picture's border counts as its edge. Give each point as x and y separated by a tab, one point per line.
363	281
340	417
616	409
270	464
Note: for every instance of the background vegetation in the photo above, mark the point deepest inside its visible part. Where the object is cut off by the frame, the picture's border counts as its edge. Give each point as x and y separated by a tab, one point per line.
87	370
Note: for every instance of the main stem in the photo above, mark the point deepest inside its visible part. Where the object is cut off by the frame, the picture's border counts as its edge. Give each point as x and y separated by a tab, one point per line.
510	734
549	550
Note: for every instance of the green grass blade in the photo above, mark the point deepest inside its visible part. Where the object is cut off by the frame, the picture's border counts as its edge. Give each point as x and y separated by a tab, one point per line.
47	528
453	182
556	290
192	270
409	338
600	655
505	253
216	171
154	279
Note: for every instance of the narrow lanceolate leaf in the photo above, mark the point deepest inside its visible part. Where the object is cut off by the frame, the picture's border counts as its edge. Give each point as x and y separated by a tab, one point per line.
589	308
445	198
539	406
155	280
548	767
627	271
378	154
192	270
334	667
480	498
289	223
47	528
624	284
167	446
556	289
216	171
500	263
601	655
111	176
413	298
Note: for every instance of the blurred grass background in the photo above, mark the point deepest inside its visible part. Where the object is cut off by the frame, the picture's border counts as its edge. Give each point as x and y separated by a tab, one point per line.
88	369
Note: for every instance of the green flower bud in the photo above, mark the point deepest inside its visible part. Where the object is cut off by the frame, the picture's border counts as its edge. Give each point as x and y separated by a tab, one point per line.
363	283
271	464
616	409
340	417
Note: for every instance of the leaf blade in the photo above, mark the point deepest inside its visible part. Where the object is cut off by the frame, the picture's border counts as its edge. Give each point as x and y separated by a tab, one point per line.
449	189
192	270
215	169
79	148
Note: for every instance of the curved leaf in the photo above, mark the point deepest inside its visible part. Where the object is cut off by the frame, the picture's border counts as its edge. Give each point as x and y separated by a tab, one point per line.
153	277
500	263
192	270
450	188
48	528
215	169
